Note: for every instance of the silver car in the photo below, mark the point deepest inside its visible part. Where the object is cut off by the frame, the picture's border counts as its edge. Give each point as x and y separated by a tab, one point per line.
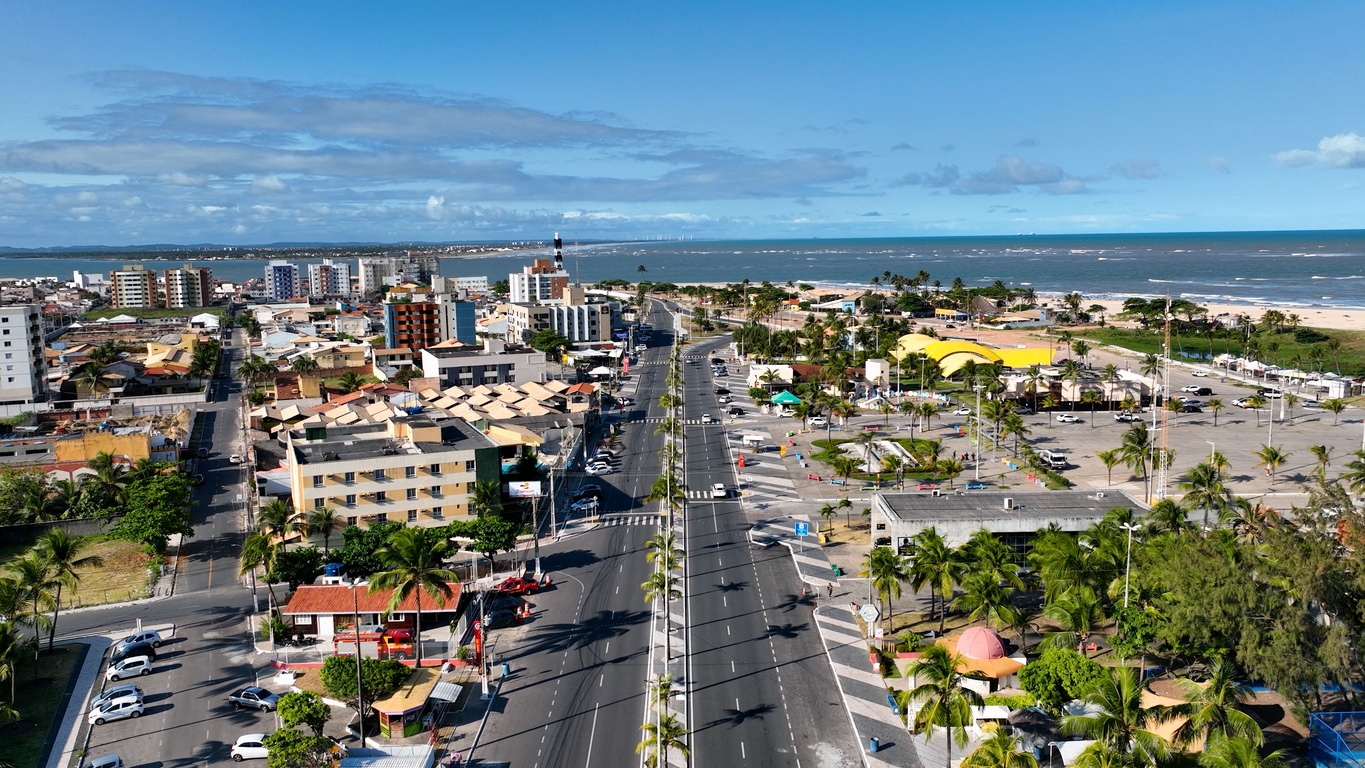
116	693
116	710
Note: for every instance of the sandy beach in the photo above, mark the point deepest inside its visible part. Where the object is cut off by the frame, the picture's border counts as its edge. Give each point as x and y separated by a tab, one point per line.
1344	320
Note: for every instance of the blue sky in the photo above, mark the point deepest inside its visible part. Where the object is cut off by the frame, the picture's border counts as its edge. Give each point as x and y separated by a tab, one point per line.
254	122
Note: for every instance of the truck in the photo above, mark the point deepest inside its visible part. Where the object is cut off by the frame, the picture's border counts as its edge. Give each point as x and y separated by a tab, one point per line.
1053	459
388	644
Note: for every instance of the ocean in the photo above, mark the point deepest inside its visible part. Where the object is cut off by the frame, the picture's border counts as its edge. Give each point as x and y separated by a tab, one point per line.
1314	269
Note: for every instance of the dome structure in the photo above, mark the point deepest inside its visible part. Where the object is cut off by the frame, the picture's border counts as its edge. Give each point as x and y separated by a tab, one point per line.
981	643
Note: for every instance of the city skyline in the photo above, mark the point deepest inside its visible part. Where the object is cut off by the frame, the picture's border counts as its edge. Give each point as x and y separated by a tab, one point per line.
157	123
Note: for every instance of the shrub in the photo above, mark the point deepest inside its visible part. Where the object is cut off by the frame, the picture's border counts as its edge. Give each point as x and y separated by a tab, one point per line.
382	677
1058	676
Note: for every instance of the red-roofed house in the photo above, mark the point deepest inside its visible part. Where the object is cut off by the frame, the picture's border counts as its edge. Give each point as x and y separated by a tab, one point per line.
321	609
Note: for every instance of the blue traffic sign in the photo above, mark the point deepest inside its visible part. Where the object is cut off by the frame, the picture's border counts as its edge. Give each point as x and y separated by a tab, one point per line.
803	529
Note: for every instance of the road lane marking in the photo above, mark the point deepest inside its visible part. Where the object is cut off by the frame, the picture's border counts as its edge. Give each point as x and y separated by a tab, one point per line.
742	755
592	734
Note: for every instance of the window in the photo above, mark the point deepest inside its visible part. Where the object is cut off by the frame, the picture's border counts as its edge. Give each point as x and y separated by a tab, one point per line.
469	466
319	503
412	515
350	502
381	496
410	472
380	474
436	513
7	343
317	481
436	491
434	469
350	521
349	477
412	494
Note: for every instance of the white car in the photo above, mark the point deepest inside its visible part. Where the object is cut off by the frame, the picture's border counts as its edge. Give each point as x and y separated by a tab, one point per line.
724	399
235	458
117	693
249	746
706	418
963	411
105	761
1069	418
817	421
718	491
600	469
129	667
1191	388
121	709
1200	374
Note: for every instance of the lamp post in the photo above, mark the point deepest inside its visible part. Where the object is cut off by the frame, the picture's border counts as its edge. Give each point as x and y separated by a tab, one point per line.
977	455
1212	448
359	681
1127	560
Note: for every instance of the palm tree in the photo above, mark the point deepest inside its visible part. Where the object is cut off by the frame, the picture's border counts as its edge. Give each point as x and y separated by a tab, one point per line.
829	513
1212	708
36	583
1137	449
108	483
1271	457
1334	406
277	520
62	553
1121	722
1256	403
660	585
487	498
1092	398
94	380
326	521
1110	459
1323	455
1166	515
415	566
1077	612
1216	404
887	571
660	738
258	551
983	598
944	699
1237	752
1205	490
1000	750
350	381
1354	476
12	642
934	563
304	364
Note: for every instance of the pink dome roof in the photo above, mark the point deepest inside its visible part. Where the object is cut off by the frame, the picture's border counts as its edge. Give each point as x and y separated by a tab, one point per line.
981	643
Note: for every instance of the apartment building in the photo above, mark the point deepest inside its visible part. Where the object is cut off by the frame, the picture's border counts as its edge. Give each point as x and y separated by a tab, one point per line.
281	280
574	318
329	279
493	363
23	366
413	470
542	281
396	268
133	286
188	286
414	320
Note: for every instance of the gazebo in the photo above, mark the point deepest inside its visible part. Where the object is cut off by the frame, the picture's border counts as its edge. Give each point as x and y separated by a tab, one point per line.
785	398
400	713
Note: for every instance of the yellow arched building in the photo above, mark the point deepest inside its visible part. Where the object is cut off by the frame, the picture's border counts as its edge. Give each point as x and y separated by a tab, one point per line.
951	355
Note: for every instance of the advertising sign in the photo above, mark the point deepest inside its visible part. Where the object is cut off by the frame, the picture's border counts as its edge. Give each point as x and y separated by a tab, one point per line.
525	489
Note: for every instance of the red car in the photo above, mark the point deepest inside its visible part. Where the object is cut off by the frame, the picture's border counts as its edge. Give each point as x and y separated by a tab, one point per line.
518	585
927	487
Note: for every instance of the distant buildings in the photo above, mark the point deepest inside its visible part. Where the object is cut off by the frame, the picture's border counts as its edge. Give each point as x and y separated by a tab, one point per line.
188	286
133	286
281	280
23	367
397	268
493	363
542	281
329	279
415	318
575	319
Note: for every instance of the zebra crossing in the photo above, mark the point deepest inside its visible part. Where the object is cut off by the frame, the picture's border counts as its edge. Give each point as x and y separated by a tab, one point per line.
628	519
685	422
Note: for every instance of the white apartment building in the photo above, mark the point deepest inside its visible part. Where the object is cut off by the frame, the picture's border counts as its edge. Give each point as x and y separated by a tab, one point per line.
188	286
132	286
576	322
541	281
493	363
281	280
396	268
23	371
329	279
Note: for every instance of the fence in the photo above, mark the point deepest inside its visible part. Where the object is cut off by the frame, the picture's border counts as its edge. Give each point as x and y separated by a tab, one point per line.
1337	739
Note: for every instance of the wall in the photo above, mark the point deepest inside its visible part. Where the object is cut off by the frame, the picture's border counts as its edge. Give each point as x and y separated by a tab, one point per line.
23	534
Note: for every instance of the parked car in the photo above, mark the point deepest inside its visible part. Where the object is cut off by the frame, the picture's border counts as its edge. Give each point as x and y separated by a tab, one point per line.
718	491
235	458
717	361
1187	408
589	491
1023	410
927	487
202	452
516	585
255	697
817	421
133	667
105	761
1069	418
1127	416
249	746
626	401
120	709
599	469
1242	402
145	636
1190	388
499	619
582	505
1190	402
963	411
129	650
115	693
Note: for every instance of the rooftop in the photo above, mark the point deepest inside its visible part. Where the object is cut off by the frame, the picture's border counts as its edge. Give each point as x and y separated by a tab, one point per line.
985	506
355	441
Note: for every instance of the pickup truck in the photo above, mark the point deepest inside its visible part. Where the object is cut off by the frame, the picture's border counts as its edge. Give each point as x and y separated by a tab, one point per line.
389	644
1127	416
518	585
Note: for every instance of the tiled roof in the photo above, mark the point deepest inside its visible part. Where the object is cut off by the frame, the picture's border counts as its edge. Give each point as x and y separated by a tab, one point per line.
329	599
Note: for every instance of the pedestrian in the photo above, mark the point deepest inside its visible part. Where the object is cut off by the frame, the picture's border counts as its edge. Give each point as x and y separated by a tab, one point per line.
829	590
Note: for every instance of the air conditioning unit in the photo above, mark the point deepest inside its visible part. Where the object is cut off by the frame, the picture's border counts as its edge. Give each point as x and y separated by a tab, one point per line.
1009	503
936	493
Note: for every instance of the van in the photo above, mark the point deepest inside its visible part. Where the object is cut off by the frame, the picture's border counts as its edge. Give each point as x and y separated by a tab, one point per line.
1053	459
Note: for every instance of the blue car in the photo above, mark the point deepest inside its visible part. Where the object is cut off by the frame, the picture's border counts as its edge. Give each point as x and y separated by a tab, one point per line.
976	485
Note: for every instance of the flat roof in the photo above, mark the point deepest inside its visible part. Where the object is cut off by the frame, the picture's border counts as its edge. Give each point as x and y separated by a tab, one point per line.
372	438
984	506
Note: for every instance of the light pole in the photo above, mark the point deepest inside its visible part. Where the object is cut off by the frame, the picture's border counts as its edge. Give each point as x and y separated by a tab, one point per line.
1127	560
359	681
1212	451
977	455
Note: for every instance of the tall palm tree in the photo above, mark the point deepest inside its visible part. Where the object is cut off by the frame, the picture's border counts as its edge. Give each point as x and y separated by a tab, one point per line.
1167	515
940	566
258	551
278	520
13	642
1110	459
1077	612
94	380
350	381
63	555
109	483
984	598
661	738
1205	490
829	512
1238	752
36	583
415	566
487	498
944	699
1323	455
887	571
1212	709
1271	457
1216	404
1000	750
304	364
326	521
1354	476
1121	722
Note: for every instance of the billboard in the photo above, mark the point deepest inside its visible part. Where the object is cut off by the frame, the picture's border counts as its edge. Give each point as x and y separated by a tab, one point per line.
526	489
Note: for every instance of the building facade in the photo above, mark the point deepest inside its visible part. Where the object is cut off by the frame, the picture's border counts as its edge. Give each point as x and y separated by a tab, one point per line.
414	471
576	322
493	363
413	324
457	319
23	367
188	286
133	286
329	279
281	280
542	281
376	272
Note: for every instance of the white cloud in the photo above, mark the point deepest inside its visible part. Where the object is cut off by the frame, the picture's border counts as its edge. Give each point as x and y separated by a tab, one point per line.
268	183
178	179
11	184
1345	150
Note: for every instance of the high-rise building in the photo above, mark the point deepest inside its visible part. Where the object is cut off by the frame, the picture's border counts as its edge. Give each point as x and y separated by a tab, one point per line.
281	280
329	279
412	323
188	286
23	373
395	268
542	281
132	286
457	319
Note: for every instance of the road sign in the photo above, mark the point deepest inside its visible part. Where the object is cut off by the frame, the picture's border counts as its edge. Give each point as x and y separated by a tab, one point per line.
803	529
869	613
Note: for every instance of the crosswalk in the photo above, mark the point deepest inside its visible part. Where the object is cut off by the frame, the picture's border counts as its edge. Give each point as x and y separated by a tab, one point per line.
627	519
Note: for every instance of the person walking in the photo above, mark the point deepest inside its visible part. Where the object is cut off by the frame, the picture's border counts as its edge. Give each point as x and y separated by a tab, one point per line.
829	590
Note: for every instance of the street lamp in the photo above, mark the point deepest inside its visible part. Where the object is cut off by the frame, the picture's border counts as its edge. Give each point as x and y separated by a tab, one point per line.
1212	448
359	681
977	455
1127	559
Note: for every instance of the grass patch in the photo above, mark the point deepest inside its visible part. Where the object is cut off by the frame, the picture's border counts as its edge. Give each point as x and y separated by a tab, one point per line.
1287	343
121	575
41	702
151	312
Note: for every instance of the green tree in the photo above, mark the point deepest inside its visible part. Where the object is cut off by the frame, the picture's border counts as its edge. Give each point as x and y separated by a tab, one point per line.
487	498
63	555
1121	722
415	567
304	708
1110	459
661	738
1271	457
326	521
887	571
158	508
934	563
943	697
829	512
350	381
1059	675
1077	612
1204	489
489	535
291	748
1334	406
1000	750
304	364
295	567
380	676
1212	709
1237	752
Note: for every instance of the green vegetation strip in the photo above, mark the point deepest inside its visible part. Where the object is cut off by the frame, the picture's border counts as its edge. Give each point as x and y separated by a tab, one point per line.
46	689
151	312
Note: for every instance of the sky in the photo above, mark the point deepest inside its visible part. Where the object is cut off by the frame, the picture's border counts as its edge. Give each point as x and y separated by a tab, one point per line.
252	122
